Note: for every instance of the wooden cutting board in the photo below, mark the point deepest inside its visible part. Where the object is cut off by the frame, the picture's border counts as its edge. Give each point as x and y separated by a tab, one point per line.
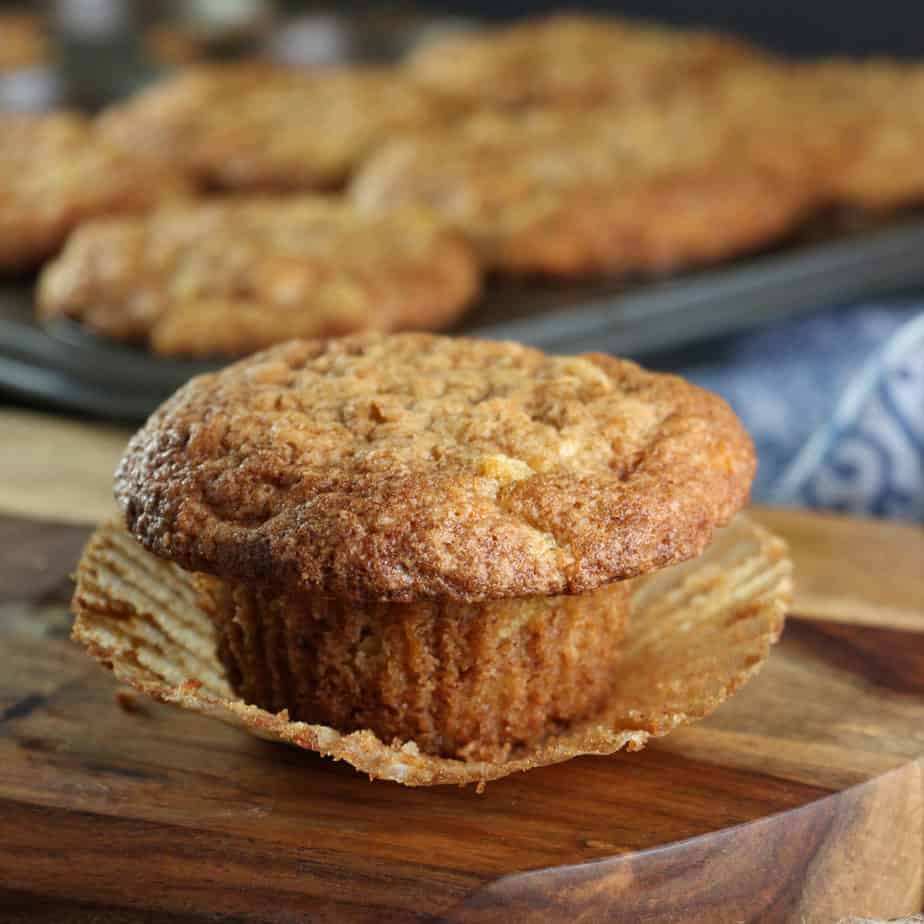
801	800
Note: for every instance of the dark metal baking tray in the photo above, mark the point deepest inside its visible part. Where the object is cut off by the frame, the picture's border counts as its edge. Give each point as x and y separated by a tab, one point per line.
66	367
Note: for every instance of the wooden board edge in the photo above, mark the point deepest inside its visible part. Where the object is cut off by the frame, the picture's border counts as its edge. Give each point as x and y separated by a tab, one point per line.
857	852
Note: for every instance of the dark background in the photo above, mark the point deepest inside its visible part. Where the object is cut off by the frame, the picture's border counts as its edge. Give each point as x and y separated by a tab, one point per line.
811	27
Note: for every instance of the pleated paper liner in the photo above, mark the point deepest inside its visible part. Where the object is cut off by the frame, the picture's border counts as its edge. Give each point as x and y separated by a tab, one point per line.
698	632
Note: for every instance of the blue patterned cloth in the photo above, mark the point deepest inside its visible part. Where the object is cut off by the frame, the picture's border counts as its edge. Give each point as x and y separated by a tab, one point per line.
835	403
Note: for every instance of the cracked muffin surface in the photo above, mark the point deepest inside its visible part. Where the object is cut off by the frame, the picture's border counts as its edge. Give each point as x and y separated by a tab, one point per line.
268	128
412	467
233	276
860	123
56	172
616	189
575	59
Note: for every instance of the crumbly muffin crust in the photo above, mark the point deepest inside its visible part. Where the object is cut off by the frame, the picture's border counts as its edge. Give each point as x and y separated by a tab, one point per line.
413	466
471	681
574	59
859	123
56	171
258	127
233	277
878	115
651	187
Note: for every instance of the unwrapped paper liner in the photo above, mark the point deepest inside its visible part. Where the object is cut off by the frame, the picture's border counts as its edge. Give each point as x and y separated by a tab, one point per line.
698	631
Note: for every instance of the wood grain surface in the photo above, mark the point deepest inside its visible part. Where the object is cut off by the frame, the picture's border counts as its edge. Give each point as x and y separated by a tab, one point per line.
55	468
800	800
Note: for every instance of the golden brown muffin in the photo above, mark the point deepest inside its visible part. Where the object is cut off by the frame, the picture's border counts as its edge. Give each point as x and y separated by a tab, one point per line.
416	467
472	681
367	541
861	123
866	121
646	188
235	276
259	127
574	60
55	172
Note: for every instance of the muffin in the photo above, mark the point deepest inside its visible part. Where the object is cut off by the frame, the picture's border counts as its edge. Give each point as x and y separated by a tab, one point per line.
428	556
257	127
860	123
876	110
56	172
229	277
646	188
573	60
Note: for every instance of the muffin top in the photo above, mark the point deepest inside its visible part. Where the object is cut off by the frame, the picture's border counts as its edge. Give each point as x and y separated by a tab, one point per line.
573	59
413	466
233	276
570	191
57	171
253	126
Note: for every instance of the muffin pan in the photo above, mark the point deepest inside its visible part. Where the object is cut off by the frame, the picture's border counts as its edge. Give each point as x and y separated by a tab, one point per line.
64	366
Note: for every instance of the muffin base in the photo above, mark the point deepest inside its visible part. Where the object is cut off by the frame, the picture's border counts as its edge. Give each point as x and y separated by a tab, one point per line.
698	632
471	681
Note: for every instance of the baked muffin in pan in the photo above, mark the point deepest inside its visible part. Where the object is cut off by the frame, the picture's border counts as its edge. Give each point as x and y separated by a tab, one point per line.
57	171
230	277
259	127
608	189
574	60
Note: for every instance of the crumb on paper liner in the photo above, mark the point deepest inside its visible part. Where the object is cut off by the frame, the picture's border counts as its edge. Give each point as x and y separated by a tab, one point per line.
699	631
